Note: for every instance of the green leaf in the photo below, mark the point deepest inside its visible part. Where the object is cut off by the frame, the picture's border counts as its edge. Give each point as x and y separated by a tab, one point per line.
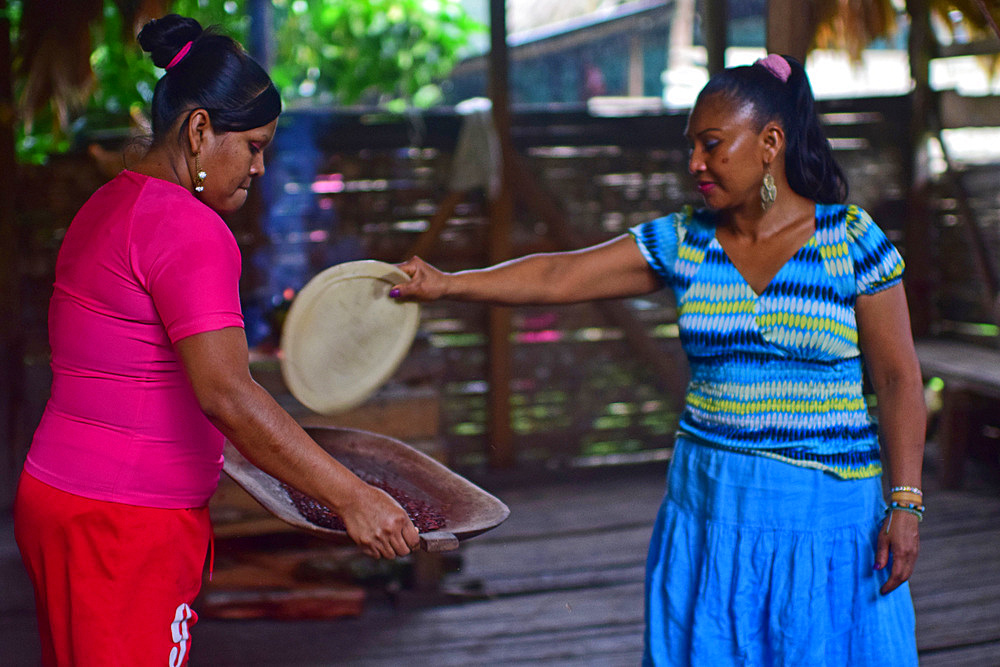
348	51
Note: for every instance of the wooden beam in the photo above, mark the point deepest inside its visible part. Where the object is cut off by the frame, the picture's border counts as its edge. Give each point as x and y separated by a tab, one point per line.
963	111
635	67
984	10
920	284
499	82
261	43
11	365
681	36
989	46
670	367
789	28
716	34
928	120
501	452
425	243
982	253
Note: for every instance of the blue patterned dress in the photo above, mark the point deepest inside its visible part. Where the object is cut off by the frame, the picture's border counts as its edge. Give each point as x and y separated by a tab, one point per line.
764	546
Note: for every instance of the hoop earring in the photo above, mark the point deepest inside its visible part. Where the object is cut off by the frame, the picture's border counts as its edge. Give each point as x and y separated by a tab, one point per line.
768	190
199	174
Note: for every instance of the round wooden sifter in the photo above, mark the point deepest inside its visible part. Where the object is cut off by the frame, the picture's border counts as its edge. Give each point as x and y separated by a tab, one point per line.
344	337
468	510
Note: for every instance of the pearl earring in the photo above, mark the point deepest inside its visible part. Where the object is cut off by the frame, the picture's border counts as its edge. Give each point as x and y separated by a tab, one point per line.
199	174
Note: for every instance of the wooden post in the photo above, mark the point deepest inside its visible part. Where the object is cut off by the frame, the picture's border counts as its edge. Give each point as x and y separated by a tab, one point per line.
261	45
636	67
501	438
919	281
11	365
681	35
716	37
789	28
954	432
424	244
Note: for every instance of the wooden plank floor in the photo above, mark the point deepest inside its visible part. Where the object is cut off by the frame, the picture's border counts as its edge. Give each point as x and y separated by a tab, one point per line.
560	583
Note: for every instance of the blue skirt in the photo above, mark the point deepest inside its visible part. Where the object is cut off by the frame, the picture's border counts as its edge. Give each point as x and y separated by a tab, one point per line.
755	561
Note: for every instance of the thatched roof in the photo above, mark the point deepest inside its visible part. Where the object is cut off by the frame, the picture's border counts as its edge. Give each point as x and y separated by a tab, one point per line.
851	25
52	56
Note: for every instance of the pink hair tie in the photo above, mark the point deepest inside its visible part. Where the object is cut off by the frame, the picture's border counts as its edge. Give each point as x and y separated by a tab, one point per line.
179	57
776	65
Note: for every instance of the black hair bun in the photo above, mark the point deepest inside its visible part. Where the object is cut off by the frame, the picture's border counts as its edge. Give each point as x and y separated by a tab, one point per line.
163	38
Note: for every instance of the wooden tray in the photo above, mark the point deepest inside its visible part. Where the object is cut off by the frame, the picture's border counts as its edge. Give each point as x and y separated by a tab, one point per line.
468	509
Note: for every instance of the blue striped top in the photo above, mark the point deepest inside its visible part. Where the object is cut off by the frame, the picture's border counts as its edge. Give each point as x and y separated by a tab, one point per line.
777	374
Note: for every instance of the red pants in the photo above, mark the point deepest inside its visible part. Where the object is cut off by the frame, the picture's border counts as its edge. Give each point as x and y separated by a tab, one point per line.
113	582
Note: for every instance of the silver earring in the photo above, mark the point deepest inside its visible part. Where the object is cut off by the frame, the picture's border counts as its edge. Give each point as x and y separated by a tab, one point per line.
768	191
199	175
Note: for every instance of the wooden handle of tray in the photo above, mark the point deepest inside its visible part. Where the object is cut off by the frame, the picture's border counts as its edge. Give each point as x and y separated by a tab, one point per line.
438	540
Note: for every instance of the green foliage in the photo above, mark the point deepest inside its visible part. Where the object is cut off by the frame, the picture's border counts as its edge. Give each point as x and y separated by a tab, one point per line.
124	76
387	52
33	145
392	52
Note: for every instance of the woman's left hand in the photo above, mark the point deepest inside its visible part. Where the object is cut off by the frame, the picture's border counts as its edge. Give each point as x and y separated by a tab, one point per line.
902	540
891	361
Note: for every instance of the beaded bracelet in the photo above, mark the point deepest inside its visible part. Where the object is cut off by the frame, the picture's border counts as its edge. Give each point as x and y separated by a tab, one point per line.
909	508
910	489
895	504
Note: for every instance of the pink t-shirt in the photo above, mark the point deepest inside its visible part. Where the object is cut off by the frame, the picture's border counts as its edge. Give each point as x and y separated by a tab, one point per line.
143	265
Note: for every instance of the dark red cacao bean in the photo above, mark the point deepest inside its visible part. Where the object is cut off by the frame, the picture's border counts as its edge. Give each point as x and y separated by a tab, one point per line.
425	517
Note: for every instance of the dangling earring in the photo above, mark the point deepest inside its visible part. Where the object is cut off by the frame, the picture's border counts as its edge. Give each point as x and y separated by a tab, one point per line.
199	174
768	190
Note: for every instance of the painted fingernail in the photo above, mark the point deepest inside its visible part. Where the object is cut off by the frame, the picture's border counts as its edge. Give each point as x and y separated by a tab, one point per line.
394	292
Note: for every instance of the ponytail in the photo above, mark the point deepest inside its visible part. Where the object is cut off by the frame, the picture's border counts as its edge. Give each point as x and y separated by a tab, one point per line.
810	167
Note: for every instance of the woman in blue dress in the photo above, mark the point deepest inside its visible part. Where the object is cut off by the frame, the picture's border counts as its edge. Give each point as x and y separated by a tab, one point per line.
774	544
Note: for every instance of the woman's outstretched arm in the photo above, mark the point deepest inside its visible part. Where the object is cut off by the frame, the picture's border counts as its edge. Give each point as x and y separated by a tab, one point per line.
612	269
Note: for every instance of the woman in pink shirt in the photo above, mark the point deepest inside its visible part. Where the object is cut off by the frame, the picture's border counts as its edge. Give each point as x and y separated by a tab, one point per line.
151	375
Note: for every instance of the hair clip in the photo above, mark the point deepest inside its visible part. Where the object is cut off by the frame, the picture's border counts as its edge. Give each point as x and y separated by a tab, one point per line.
179	56
776	65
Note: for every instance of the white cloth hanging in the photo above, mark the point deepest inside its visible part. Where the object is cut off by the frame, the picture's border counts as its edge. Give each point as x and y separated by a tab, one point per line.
476	162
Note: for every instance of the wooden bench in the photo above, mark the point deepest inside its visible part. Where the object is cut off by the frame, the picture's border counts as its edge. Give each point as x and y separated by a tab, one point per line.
971	376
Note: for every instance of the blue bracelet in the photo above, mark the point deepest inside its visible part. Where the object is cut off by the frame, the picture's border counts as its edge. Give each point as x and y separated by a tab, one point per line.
909	508
895	504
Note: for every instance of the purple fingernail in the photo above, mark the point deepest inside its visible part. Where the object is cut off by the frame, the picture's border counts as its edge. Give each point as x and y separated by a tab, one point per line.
394	292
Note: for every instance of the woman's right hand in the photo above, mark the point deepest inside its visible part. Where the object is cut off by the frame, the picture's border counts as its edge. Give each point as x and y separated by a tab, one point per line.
216	363
426	282
378	525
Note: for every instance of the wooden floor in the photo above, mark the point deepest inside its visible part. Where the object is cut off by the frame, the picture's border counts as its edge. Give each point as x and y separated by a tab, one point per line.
560	583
